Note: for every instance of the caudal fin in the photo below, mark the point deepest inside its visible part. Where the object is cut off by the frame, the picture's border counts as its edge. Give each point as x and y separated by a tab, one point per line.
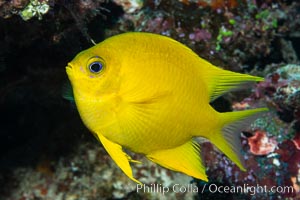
227	139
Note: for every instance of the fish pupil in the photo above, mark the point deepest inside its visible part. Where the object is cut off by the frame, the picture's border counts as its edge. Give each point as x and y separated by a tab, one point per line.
96	67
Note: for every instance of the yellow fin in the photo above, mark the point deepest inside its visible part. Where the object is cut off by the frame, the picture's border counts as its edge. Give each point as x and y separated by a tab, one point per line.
227	139
119	156
185	159
221	81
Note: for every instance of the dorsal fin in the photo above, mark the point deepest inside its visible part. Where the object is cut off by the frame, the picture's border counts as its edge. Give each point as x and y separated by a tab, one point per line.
221	81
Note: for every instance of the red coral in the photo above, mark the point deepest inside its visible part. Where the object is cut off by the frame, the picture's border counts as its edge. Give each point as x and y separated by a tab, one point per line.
260	144
296	140
291	155
220	4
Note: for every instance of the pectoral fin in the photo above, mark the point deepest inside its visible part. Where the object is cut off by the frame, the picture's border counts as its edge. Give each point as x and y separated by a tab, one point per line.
119	156
185	159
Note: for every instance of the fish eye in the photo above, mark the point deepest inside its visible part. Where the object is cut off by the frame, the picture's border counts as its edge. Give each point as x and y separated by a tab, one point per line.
95	67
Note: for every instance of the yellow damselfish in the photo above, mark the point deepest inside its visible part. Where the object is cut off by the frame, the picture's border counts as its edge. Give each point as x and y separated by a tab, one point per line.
150	94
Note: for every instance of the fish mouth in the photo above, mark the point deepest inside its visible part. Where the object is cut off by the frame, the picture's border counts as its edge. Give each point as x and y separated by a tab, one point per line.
69	69
69	66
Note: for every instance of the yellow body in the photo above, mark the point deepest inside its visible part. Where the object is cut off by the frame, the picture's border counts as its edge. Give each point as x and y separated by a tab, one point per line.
152	97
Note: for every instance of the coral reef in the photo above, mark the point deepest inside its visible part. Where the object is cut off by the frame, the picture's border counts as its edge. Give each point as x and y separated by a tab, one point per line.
260	144
233	35
130	6
274	137
46	152
89	174
35	8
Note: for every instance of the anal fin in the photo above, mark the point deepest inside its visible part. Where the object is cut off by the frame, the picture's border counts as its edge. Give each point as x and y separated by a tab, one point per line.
119	156
185	159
